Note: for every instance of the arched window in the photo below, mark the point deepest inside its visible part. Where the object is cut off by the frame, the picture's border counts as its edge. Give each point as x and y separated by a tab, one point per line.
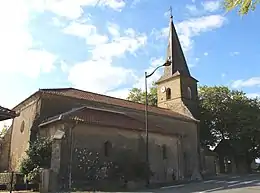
22	127
107	148
168	93
164	152
189	92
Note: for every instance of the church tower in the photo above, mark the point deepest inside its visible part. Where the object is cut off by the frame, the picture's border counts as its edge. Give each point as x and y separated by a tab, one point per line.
177	89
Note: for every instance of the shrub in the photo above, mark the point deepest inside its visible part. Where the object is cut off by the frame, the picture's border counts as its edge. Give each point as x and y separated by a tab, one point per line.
124	166
38	156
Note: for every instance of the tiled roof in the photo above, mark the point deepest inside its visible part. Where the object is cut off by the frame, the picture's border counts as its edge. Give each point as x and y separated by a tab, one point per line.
80	94
6	114
104	117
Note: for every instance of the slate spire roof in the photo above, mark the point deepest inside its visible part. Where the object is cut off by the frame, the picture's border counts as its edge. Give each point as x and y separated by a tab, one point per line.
175	53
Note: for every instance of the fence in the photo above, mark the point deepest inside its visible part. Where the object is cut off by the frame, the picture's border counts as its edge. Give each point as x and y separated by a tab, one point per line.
11	181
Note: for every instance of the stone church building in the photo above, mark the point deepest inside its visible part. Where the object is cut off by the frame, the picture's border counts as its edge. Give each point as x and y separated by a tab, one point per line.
81	119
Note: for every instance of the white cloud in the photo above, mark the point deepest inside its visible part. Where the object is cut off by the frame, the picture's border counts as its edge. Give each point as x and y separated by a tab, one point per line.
129	42
211	6
206	54
17	52
192	8
154	63
114	4
98	74
119	93
113	29
135	2
253	95
251	82
157	62
223	75
86	31
234	53
64	66
187	29
74	9
57	22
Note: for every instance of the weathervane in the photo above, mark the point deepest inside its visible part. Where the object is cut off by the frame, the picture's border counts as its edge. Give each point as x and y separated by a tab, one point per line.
170	10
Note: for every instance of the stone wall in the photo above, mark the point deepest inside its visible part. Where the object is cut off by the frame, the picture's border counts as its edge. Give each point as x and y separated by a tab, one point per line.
90	136
94	137
180	153
22	126
5	150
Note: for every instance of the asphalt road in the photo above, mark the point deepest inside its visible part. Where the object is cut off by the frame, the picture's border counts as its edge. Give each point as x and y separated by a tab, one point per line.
233	184
228	184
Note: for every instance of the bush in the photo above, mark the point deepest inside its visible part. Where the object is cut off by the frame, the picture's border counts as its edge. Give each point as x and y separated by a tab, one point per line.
38	156
124	166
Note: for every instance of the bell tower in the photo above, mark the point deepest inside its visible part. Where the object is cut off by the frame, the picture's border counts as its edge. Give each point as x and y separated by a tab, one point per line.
177	89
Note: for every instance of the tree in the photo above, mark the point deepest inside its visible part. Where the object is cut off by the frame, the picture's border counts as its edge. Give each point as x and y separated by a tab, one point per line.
138	95
225	114
38	156
3	131
244	6
230	115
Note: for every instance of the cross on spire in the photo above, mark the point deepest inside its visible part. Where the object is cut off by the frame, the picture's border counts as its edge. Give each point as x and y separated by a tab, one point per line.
175	52
170	10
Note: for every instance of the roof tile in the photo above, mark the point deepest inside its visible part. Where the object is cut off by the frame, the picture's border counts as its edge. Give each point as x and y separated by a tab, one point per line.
80	94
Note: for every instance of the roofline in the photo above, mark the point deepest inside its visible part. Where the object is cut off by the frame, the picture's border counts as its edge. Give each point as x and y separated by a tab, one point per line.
44	91
15	108
104	125
59	118
62	115
185	118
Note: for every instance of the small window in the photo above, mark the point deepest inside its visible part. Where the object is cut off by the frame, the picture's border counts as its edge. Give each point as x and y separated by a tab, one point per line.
189	93
107	148
168	93
164	152
22	127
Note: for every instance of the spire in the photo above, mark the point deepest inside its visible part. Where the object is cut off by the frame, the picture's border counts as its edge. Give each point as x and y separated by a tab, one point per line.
175	53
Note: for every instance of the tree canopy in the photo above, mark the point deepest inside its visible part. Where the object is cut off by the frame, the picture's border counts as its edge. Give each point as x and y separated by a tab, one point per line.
224	114
38	156
3	131
138	95
244	6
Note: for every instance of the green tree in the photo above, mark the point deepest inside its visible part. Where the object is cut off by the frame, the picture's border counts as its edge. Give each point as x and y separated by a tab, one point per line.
231	115
224	114
244	6
38	156
3	131
138	95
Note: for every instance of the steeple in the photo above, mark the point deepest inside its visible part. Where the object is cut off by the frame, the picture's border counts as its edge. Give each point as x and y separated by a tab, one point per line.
174	51
177	89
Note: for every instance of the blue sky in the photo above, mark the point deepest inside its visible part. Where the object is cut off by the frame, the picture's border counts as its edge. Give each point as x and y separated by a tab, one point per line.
106	47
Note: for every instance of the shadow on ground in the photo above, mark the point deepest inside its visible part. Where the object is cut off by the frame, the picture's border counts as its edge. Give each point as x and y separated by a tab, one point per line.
212	187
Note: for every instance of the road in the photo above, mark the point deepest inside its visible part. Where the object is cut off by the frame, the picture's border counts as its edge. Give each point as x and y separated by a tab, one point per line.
233	184
228	184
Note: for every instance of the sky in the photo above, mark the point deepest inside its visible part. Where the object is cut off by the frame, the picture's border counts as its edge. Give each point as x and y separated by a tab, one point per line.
106	47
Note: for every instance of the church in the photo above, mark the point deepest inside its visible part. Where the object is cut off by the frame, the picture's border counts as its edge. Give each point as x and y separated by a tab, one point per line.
82	119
